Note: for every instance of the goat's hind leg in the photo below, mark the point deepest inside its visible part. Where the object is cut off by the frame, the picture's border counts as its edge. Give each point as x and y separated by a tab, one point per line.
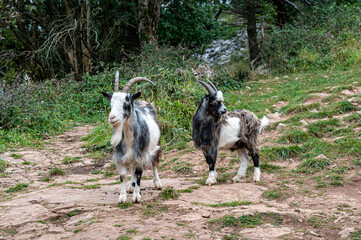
138	175
242	153
257	170
156	179
133	180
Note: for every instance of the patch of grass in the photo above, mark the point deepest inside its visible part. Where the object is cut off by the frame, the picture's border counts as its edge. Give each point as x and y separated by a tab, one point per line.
357	162
275	153
46	179
16	156
354	117
225	204
10	230
108	174
73	213
300	108
78	230
321	128
270	168
313	165
185	190
273	194
355	235
17	188
56	171
124	237
93	180
132	231
92	186
169	192
70	160
3	165
245	221
342	107
314	221
183	168
125	205
295	136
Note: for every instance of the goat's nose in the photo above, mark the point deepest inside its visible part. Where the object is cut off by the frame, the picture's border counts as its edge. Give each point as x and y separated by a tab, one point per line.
111	117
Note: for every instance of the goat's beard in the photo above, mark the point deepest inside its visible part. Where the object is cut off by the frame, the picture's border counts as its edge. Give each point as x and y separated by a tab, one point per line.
117	134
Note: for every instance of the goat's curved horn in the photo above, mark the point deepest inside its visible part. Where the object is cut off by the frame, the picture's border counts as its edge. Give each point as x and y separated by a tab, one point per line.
131	82
210	90
116	85
212	85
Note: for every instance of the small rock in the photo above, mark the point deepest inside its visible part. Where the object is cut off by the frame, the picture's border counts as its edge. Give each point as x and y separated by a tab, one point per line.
313	233
206	214
321	156
314	110
325	76
285	76
280	126
355	83
304	122
276	78
347	92
297	210
346	232
248	88
267	111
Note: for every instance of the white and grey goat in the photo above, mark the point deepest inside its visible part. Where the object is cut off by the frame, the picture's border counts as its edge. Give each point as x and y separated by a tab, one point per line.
216	129
135	137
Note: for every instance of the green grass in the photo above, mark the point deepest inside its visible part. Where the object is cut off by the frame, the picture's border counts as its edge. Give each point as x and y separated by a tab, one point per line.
273	194
16	156
225	204
73	213
46	179
313	165
3	165
57	171
125	205
17	188
70	160
245	221
169	193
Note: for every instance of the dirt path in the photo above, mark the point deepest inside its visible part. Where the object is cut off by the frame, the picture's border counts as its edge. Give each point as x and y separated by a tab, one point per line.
82	204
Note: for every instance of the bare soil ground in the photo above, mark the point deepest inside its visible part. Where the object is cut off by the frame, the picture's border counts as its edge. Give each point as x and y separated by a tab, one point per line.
82	204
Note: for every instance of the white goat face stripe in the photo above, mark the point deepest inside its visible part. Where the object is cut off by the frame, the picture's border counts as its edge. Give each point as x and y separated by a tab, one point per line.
117	105
219	96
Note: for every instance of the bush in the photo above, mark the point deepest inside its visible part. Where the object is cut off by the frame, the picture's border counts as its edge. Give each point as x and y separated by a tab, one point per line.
321	38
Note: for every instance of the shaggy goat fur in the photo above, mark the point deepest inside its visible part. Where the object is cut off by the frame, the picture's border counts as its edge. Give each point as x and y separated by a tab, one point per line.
135	138
215	129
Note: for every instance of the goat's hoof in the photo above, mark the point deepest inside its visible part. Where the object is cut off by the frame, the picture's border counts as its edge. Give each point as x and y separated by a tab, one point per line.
122	198
158	185
256	178
130	189
237	179
211	180
257	174
136	197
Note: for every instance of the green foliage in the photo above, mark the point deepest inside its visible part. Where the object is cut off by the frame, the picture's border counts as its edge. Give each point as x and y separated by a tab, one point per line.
295	136
320	128
69	160
225	204
189	23
323	37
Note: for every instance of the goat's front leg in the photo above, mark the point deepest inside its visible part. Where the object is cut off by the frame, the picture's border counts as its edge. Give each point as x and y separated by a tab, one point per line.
156	179
138	175
123	182
242	153
211	158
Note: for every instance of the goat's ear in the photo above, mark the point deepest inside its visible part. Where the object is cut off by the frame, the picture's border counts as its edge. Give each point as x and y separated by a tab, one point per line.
106	95
135	96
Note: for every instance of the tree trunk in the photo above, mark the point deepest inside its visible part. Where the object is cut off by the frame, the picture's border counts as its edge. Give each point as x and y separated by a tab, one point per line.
149	13
252	30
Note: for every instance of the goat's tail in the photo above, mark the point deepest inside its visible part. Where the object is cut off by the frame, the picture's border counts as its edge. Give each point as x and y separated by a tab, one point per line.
264	123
